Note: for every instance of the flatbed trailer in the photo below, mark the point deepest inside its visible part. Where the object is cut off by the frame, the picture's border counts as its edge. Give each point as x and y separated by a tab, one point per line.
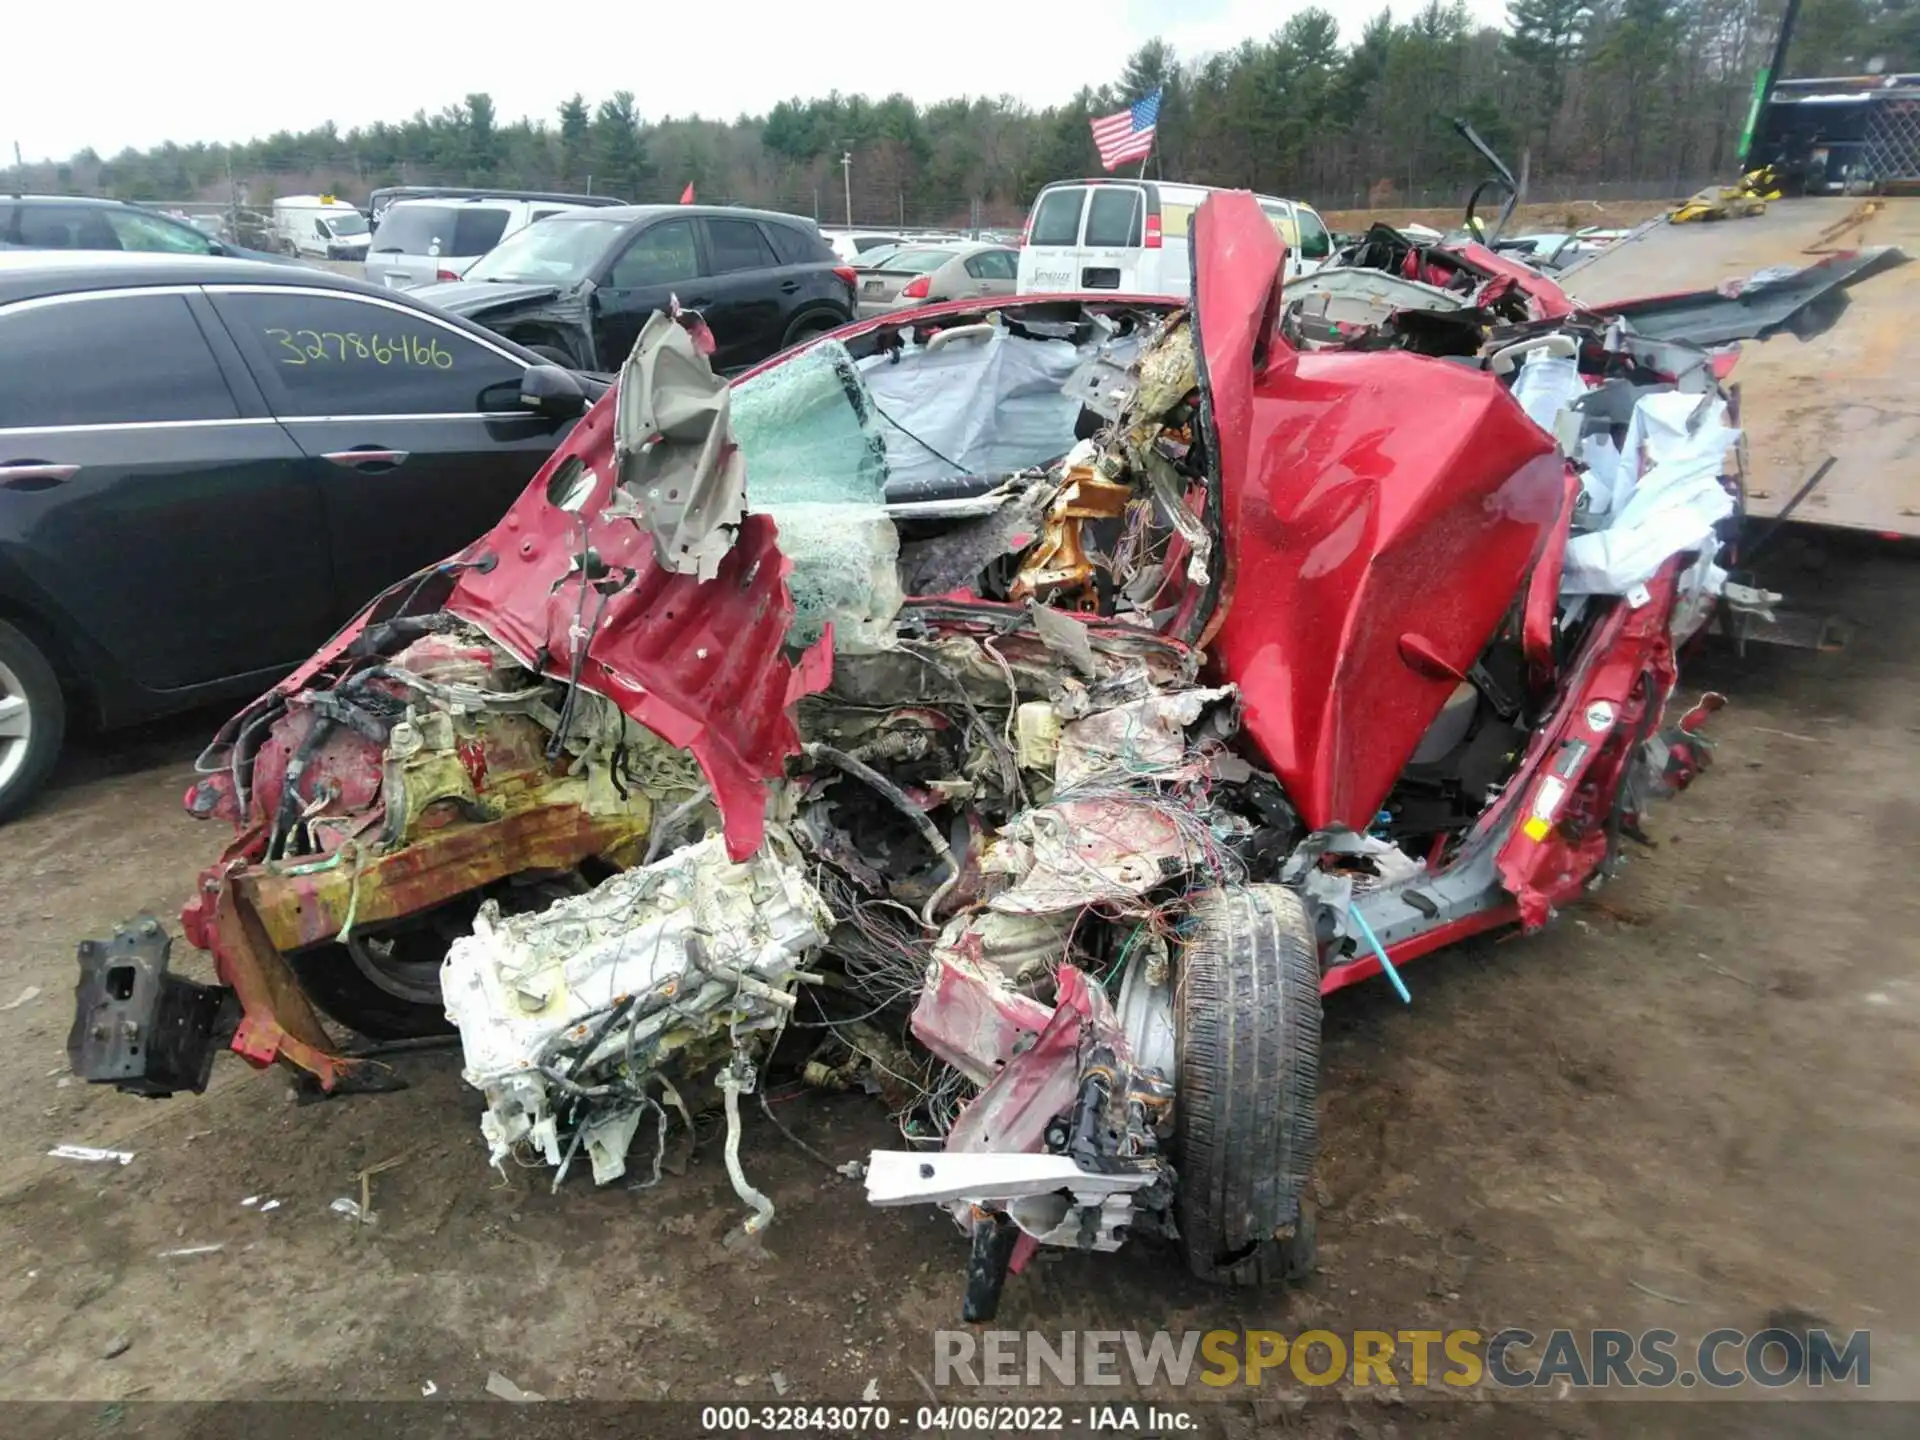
1851	392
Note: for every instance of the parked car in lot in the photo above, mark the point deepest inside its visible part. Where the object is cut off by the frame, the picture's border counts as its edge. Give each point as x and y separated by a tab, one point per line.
424	242
851	245
320	227
908	275
386	195
207	464
576	288
84	222
1130	236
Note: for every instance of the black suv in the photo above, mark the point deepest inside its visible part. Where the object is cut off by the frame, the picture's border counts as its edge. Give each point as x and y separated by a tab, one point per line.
207	464
576	288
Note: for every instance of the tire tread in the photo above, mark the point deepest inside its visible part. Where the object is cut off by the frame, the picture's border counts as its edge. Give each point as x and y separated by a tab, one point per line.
1246	1099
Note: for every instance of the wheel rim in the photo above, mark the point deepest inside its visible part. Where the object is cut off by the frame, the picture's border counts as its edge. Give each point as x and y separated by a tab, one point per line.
16	725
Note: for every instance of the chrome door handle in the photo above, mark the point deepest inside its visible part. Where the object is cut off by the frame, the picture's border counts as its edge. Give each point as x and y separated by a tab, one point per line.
35	475
361	459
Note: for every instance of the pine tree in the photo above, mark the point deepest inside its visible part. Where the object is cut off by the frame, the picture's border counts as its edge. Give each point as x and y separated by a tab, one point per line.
1544	45
573	138
483	147
619	154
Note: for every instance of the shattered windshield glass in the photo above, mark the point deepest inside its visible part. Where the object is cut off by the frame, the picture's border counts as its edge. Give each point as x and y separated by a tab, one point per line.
809	432
817	463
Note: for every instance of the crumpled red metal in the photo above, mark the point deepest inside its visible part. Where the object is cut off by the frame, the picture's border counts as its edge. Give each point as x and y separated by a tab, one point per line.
1381	511
701	664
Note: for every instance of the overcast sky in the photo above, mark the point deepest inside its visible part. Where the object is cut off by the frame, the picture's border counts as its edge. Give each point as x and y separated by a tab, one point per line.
113	73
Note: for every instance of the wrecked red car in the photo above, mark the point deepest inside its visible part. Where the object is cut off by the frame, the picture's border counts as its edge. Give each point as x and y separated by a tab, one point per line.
1028	712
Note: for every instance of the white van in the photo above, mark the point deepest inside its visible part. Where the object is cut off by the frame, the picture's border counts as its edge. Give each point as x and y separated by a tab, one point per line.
423	242
319	226
1131	236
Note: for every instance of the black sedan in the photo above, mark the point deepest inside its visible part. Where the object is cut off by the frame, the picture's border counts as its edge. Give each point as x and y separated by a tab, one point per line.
206	465
576	288
86	222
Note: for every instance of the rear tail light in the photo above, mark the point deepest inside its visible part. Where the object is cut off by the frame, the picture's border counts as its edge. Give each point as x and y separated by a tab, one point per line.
1026	230
918	287
1153	232
846	273
445	275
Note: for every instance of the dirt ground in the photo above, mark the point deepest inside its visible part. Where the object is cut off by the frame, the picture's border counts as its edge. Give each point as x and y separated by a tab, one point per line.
1691	1102
1549	215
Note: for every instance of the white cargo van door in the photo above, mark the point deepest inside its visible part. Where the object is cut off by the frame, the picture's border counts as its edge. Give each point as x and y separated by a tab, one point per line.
1049	256
1096	237
1113	254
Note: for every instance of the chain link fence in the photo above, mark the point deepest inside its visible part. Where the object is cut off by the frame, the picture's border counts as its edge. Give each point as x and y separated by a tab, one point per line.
1560	191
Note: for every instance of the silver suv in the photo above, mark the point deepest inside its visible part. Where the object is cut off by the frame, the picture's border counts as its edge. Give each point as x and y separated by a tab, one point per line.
423	242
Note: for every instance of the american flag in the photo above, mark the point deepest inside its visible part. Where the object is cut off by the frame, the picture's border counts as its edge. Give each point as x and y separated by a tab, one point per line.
1129	134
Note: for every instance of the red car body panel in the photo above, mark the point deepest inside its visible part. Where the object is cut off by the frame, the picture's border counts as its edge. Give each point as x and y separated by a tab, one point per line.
1550	302
1573	769
1626	664
702	665
1384	510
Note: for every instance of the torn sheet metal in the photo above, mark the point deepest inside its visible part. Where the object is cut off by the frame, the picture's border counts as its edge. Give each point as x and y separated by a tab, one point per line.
1805	300
678	463
568	1014
702	665
970	1016
1064	1140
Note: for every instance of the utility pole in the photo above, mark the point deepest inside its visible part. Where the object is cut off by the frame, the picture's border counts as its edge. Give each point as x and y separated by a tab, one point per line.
846	172
19	169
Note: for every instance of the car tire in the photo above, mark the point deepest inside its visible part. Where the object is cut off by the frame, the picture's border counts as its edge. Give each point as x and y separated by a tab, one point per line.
33	720
553	354
384	983
1246	1099
806	327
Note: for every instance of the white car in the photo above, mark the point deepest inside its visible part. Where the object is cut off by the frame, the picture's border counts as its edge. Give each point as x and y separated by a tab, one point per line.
850	245
1130	236
424	242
